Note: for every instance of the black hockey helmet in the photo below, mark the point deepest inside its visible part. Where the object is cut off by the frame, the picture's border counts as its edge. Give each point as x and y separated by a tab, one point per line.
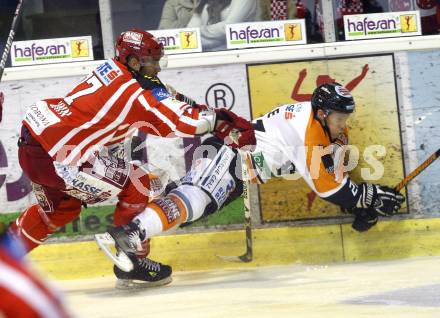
332	97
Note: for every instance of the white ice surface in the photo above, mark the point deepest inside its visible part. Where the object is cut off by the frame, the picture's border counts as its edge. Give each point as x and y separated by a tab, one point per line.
405	288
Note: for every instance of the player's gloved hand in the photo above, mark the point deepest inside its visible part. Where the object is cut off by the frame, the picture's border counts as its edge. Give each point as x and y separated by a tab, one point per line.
364	219
384	200
236	131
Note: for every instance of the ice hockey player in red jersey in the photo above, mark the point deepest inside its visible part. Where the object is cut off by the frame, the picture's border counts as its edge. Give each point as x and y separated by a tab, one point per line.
74	150
292	137
22	293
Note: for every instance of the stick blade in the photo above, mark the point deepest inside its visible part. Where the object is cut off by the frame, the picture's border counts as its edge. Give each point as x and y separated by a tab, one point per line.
245	258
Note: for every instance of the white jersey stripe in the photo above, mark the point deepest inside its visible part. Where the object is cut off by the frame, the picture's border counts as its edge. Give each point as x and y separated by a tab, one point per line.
102	112
174	105
93	148
129	132
156	112
164	118
101	132
190	121
25	289
144	102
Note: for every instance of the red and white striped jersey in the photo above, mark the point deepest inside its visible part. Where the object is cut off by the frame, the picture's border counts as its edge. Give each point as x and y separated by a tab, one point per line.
24	295
109	103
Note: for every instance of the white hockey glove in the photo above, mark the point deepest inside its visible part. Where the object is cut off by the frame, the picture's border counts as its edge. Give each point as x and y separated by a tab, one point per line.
384	200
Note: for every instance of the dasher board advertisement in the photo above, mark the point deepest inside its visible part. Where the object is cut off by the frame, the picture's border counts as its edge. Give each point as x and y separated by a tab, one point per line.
382	25
176	41
59	50
267	33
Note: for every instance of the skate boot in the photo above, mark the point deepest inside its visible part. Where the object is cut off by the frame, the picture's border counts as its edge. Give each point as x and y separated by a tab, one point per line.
128	240
146	273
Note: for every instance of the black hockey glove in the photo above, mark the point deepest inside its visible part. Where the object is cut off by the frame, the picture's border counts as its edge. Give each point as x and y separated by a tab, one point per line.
364	219
383	200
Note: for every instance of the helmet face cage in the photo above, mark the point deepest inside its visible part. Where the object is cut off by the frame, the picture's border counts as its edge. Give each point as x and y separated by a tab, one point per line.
153	61
332	97
140	44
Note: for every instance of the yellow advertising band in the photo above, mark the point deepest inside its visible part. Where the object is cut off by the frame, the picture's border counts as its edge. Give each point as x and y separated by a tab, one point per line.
272	246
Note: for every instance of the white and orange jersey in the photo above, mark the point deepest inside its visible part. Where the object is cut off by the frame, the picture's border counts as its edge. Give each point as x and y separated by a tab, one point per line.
290	139
101	109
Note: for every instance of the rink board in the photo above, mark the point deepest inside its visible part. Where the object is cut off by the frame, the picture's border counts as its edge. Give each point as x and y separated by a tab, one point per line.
272	246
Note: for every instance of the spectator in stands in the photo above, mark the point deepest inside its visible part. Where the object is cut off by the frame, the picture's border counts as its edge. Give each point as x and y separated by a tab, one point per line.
211	16
348	7
177	13
372	6
278	10
429	15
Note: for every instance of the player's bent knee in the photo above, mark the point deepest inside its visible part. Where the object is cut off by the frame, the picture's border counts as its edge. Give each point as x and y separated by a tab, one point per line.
216	175
194	200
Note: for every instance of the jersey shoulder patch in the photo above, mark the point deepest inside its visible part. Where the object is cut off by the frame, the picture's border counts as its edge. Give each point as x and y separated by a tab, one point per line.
108	72
160	93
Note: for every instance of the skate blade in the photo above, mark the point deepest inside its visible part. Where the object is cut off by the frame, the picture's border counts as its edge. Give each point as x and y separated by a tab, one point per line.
130	284
107	244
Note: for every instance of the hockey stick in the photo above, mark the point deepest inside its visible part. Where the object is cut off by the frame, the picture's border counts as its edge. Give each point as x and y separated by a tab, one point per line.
8	48
417	170
247	256
10	37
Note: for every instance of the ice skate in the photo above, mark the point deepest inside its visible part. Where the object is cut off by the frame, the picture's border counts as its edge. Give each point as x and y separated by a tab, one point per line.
146	273
128	241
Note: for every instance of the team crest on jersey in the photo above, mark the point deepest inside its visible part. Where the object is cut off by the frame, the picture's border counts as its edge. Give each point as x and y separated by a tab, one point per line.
108	72
160	93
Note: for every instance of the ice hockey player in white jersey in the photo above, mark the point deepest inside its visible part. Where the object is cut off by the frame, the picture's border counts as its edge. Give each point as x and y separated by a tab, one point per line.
292	137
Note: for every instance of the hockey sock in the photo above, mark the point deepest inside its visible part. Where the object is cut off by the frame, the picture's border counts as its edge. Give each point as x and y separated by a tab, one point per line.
183	204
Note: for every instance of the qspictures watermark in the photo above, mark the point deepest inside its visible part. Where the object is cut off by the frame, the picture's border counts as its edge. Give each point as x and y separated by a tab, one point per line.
59	50
382	25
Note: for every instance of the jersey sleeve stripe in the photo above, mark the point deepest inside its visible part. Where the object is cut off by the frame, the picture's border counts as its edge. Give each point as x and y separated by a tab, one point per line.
89	150
185	130
334	190
144	102
120	137
24	288
175	106
164	118
107	106
169	113
97	134
181	119
189	120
